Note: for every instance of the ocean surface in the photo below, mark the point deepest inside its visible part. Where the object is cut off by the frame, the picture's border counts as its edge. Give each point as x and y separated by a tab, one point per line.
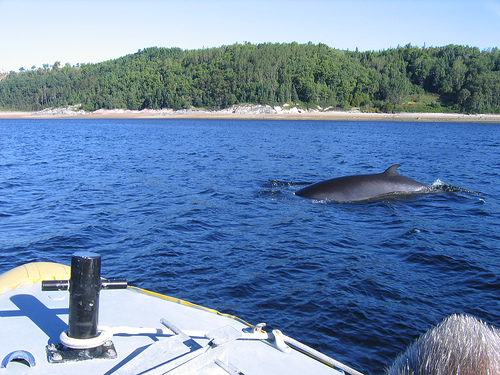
204	210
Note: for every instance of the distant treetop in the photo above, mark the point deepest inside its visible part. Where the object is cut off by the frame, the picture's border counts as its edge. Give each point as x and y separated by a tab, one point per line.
449	78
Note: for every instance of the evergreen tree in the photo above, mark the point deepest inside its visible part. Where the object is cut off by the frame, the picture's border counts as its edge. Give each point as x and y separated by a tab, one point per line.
461	78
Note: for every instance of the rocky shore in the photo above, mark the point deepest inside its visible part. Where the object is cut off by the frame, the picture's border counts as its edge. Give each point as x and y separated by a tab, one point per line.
252	112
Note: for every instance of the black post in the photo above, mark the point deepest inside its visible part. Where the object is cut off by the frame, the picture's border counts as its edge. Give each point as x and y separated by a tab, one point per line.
85	284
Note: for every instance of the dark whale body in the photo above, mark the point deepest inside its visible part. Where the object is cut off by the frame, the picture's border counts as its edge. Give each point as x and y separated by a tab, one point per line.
363	187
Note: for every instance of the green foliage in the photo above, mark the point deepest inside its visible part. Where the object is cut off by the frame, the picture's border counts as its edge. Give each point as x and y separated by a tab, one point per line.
460	78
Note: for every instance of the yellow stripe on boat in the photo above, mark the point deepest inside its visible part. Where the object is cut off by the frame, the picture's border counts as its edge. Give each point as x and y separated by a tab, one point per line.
190	304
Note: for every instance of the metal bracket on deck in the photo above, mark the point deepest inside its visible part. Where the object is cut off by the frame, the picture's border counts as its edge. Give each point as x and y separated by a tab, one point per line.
275	338
258	328
61	354
180	354
83	341
19	355
279	341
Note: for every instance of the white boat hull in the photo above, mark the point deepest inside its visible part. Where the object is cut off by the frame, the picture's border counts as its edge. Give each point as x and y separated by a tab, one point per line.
31	320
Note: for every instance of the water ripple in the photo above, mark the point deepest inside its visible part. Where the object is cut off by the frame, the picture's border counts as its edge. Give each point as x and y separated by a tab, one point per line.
206	211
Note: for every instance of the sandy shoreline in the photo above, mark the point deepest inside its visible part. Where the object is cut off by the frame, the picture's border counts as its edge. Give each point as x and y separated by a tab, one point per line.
226	114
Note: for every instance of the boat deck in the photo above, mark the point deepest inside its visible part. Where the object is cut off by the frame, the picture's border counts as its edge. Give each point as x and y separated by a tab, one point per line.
31	320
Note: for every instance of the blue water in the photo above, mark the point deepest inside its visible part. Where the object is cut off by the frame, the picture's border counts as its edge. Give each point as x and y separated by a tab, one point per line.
204	211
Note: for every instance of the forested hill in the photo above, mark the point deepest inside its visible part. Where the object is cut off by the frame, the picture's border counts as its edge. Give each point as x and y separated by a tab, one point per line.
450	78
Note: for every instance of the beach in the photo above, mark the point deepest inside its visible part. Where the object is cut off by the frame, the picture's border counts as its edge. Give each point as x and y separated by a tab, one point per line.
251	113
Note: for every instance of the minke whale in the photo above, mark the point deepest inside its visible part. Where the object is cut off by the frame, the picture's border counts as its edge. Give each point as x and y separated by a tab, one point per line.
363	187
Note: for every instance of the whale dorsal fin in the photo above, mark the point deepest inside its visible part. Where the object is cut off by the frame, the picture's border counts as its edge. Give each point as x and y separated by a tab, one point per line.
393	169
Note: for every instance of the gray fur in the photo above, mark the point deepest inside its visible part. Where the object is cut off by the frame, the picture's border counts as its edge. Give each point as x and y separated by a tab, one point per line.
460	345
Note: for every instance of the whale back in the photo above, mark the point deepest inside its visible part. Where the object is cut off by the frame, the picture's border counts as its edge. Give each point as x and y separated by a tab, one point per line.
362	187
392	170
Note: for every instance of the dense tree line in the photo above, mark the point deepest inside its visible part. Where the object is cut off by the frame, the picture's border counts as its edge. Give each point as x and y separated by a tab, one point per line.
457	78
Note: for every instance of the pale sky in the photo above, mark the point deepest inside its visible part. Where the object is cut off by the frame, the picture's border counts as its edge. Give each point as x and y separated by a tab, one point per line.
37	32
